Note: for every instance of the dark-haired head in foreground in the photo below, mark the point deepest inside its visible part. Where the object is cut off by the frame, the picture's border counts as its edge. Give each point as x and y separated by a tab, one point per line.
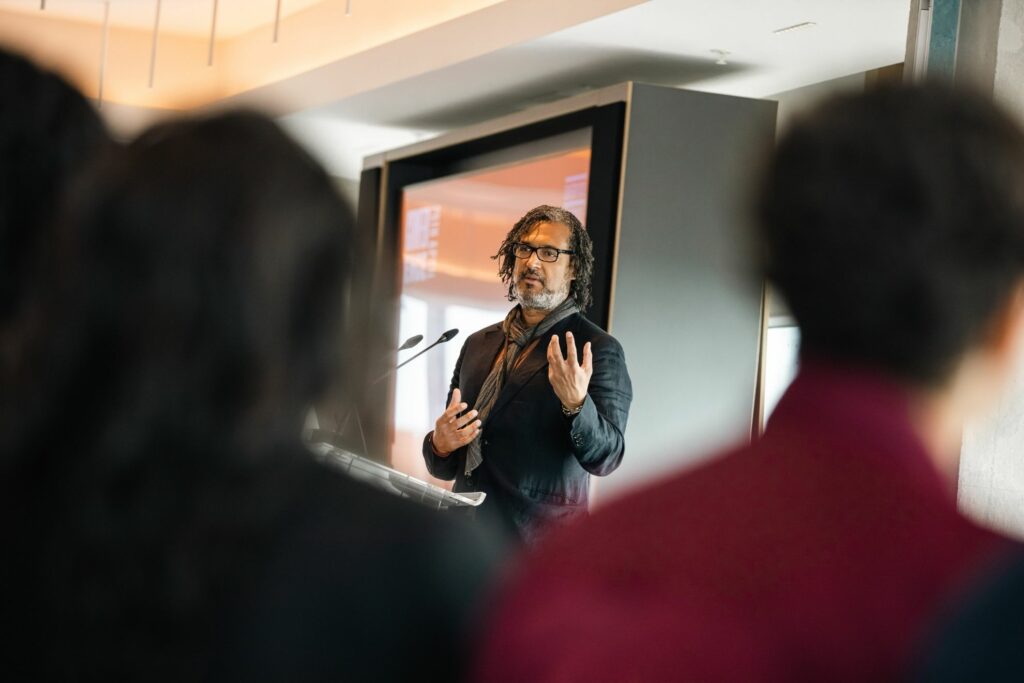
893	225
49	134
171	523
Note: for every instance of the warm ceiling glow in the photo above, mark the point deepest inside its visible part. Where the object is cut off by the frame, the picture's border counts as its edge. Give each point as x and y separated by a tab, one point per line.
68	35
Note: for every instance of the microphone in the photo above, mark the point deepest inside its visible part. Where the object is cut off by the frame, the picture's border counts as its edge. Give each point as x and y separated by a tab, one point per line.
446	337
408	343
411	342
340	425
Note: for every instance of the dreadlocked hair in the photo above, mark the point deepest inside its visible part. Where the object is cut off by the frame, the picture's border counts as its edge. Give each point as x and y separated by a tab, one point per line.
581	260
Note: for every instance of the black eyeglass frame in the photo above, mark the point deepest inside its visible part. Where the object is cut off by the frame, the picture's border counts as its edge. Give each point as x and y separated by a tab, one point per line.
536	250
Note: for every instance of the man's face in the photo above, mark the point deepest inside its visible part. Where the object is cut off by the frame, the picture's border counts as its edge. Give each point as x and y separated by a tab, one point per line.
540	285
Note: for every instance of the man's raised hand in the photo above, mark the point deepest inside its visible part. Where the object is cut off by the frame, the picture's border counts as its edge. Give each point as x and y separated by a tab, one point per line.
569	378
451	431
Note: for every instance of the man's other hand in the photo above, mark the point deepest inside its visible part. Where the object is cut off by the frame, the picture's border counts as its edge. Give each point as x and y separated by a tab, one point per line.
569	378
451	431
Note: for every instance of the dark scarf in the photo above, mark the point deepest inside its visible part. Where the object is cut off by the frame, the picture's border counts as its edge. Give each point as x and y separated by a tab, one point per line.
517	337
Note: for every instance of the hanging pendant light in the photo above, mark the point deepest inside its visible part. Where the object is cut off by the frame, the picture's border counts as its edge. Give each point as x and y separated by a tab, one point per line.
103	51
156	35
213	34
277	19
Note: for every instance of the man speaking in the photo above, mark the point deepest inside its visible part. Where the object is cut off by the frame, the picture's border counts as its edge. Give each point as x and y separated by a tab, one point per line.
539	401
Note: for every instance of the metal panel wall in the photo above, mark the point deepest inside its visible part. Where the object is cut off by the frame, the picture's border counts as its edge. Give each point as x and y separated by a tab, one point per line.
684	304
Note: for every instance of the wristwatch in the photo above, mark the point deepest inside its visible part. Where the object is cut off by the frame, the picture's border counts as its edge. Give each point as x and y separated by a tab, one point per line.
570	412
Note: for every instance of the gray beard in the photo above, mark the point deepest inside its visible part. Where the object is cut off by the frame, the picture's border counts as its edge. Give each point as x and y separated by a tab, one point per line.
546	300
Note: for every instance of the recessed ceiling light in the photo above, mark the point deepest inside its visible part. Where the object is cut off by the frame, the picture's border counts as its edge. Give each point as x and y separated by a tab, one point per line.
722	54
795	27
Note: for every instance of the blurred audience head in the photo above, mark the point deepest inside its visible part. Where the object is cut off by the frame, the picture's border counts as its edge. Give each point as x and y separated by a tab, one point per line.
49	134
204	287
206	290
893	225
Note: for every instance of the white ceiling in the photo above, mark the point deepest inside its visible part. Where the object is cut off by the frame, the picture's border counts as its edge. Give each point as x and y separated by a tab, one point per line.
183	17
847	36
668	42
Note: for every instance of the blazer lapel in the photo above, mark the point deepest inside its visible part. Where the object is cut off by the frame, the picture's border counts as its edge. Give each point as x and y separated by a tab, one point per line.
534	362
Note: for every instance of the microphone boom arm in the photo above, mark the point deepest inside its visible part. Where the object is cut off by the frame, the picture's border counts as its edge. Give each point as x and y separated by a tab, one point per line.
447	336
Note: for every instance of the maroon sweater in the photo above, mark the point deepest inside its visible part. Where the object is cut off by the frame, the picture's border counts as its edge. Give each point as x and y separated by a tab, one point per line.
821	552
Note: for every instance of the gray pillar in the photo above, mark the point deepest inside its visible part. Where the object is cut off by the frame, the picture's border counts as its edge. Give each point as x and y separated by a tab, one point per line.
990	58
1009	60
933	39
992	458
976	61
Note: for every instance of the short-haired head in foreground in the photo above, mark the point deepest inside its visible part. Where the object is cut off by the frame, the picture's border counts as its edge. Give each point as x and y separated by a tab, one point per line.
893	225
49	133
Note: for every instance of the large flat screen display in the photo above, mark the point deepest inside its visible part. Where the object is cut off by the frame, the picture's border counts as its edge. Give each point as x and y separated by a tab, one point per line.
450	228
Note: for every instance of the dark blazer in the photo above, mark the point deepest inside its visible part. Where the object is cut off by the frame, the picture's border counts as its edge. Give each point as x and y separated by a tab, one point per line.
537	462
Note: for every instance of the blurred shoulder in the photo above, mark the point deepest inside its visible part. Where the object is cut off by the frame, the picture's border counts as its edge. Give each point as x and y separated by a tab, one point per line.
383	525
362	585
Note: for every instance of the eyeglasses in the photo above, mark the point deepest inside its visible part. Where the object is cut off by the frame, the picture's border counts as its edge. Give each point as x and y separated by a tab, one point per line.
546	254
